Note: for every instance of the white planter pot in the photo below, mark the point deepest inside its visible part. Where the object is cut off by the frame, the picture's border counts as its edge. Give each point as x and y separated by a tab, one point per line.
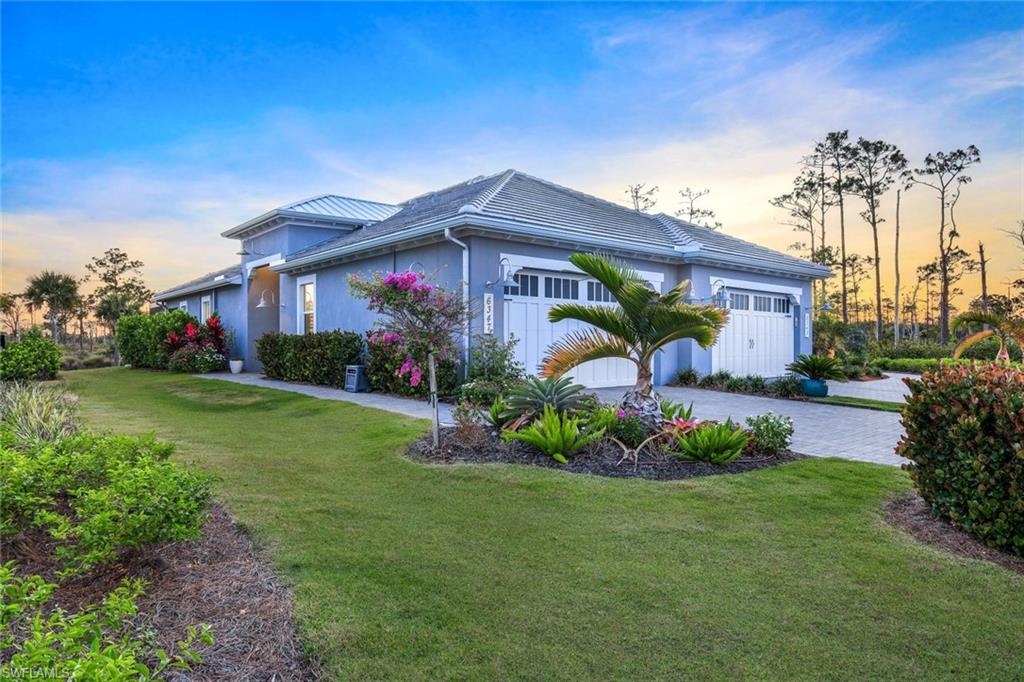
235	365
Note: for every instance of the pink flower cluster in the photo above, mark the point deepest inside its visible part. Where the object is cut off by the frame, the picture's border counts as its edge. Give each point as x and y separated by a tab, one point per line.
407	281
412	369
386	338
622	414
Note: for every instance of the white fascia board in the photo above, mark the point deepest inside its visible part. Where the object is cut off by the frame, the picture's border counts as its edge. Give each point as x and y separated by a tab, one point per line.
731	283
259	262
521	262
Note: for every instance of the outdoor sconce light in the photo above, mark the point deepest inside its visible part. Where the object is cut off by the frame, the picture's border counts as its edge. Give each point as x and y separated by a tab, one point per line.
721	296
505	279
267	300
826	307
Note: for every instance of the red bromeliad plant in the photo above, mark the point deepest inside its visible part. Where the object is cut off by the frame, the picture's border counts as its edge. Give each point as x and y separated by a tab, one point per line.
419	318
197	337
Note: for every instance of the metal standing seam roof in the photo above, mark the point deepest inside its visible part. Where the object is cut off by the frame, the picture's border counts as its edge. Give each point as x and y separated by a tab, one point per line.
223	277
343	207
521	198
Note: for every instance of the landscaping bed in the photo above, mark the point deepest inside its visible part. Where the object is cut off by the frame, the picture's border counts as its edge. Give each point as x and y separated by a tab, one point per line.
600	459
220	580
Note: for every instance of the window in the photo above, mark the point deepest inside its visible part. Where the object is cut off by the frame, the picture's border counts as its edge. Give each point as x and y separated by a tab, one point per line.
762	304
739	301
205	308
526	285
307	304
781	305
183	305
599	293
561	287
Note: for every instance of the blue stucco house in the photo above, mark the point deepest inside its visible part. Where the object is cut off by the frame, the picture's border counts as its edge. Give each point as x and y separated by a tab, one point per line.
504	240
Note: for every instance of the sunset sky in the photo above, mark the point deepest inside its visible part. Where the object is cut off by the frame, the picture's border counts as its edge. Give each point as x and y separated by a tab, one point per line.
153	127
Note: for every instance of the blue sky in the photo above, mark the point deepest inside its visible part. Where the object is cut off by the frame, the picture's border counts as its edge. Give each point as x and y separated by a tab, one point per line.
155	126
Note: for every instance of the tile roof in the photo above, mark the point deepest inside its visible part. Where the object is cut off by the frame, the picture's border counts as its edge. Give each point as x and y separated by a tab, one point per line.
210	280
515	198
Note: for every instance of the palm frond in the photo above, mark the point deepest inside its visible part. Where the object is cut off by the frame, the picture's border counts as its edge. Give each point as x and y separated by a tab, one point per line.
677	294
700	323
607	319
971	340
579	347
614	274
977	317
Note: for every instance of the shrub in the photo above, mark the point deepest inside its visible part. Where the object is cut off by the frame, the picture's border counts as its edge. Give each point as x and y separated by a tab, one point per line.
965	440
195	359
755	384
555	433
318	358
103	641
31	413
384	358
533	395
99	495
770	433
909	349
785	387
469	426
671	410
140	338
912	365
30	360
687	377
713	443
629	428
817	368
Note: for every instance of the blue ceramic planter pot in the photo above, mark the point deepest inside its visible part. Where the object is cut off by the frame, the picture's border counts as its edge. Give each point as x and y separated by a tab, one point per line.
814	388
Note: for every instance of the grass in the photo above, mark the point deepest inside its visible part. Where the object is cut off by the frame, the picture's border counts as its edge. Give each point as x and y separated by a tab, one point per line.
406	571
867	403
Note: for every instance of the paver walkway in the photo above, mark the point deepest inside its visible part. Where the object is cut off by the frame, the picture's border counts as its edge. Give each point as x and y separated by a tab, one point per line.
891	388
818	430
389	403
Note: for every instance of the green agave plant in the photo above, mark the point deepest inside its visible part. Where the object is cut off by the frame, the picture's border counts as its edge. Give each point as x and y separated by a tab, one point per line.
555	434
818	368
533	395
714	443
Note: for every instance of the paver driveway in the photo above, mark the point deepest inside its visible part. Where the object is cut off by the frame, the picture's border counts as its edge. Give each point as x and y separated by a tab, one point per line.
819	430
891	388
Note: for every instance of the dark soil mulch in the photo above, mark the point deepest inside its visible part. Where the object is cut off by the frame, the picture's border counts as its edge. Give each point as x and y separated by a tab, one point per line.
601	459
912	514
219	579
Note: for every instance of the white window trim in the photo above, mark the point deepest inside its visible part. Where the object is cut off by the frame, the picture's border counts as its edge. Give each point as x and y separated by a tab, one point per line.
205	299
795	292
299	307
520	262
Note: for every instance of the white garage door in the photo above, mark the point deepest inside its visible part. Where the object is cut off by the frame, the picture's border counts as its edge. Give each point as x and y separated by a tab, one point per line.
758	338
526	309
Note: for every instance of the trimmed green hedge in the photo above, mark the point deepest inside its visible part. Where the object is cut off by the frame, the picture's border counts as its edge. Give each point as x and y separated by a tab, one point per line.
919	365
32	359
318	358
965	439
140	338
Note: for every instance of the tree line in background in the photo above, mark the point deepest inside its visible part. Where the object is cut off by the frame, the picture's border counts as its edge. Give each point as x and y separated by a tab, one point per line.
120	291
839	173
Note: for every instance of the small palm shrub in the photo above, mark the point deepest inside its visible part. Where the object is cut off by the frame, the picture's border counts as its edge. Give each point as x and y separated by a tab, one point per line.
533	395
104	641
31	413
32	359
687	377
965	441
713	443
556	434
817	368
770	433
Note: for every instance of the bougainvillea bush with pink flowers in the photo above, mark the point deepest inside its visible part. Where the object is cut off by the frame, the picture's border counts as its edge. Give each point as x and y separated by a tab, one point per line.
422	319
385	354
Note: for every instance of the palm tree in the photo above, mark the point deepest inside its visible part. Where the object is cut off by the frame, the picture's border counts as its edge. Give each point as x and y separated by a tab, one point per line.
1003	327
643	323
57	290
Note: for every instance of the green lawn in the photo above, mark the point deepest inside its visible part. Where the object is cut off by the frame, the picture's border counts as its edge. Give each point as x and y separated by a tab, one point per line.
403	571
868	403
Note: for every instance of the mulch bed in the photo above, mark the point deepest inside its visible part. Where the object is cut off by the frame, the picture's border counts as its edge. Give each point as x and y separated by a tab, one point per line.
219	579
601	459
912	514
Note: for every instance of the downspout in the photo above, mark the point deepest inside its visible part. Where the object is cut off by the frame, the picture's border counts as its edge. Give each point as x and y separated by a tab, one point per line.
465	296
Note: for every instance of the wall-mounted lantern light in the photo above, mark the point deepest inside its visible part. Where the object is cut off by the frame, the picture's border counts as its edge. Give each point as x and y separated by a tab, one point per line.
504	275
267	300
